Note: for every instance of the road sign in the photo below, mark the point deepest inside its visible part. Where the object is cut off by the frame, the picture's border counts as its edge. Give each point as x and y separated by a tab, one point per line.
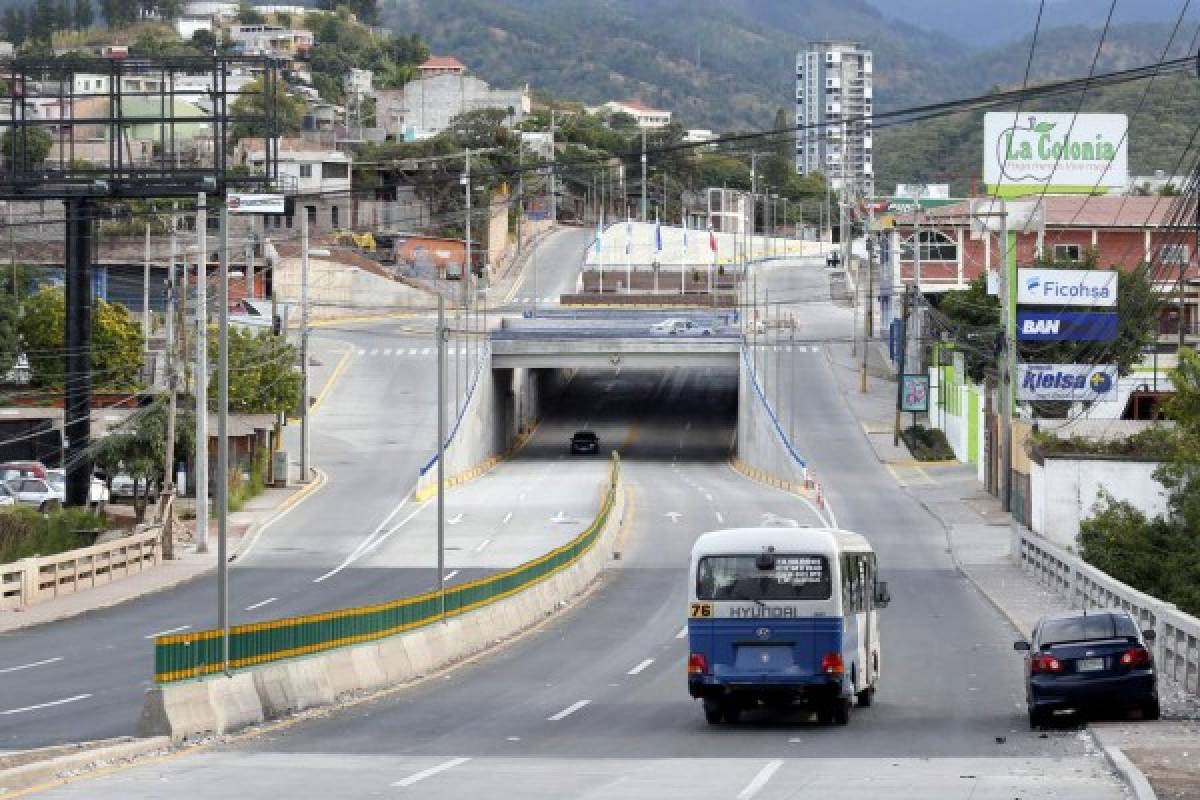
1043	286
255	203
914	393
1072	382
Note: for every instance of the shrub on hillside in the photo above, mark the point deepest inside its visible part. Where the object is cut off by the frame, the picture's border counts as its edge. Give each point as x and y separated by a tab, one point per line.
927	444
24	532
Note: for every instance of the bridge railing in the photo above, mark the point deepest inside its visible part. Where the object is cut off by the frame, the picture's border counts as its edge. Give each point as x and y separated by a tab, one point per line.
195	654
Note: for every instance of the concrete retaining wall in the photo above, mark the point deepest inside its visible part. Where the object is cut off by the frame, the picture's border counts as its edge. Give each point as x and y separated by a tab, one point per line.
34	580
224	704
1064	491
761	441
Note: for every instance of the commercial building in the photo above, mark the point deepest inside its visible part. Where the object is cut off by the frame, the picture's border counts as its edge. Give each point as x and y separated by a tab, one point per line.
833	114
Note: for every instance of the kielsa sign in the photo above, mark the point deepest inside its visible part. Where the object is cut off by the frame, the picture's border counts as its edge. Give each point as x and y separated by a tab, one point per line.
1066	326
1066	287
1071	382
1063	152
255	203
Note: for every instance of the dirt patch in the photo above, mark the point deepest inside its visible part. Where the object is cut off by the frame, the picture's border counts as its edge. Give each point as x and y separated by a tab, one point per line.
1174	772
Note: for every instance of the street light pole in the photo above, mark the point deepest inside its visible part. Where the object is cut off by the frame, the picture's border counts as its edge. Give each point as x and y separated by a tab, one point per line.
441	457
223	440
201	479
643	175
304	406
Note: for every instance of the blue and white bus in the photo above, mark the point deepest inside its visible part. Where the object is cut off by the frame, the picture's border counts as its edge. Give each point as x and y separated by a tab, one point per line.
780	617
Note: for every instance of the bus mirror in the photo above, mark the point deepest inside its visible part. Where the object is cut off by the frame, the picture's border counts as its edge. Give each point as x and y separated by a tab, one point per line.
882	595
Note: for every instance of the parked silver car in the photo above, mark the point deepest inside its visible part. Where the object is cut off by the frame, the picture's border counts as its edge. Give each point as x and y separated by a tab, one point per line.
7	498
37	493
98	493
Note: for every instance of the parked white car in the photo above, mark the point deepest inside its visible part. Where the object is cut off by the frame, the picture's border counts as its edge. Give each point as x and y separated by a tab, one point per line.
122	488
680	327
98	493
7	498
37	493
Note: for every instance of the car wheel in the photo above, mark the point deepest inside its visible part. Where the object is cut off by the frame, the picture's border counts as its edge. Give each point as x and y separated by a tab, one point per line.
1037	719
712	713
866	697
825	715
732	713
1151	709
841	711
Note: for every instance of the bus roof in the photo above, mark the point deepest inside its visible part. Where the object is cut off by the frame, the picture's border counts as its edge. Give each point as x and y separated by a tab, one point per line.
784	540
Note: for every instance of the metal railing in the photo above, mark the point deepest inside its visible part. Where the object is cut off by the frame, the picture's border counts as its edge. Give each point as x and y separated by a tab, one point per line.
185	656
1177	635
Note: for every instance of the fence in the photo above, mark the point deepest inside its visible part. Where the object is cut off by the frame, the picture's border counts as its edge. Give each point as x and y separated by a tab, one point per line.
183	656
1177	641
34	580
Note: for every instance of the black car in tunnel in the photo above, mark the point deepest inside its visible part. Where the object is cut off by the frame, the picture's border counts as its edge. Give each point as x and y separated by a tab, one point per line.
585	442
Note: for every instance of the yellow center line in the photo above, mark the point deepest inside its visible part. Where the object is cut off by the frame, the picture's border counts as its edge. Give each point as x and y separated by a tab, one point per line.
333	378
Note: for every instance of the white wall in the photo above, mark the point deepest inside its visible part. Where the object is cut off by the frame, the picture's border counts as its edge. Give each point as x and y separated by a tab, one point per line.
1064	491
335	284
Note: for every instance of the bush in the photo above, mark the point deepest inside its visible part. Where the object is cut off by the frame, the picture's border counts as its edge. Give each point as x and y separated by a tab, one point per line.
242	490
927	444
24	532
1151	555
1157	444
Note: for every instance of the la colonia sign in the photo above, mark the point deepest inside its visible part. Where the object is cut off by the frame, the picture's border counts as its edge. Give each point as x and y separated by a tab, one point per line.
1055	150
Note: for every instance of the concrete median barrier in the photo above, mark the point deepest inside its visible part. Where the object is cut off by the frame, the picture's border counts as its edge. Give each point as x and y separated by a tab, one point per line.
223	704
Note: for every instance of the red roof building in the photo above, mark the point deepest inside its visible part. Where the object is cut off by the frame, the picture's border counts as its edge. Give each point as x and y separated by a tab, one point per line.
442	65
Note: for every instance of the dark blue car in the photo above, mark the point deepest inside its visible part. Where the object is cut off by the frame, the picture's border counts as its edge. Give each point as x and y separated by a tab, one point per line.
1089	661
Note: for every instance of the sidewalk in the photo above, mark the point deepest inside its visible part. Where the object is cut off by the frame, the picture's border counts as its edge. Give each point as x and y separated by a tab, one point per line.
978	538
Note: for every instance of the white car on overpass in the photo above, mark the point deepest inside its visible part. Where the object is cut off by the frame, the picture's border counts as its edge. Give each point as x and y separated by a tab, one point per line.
680	327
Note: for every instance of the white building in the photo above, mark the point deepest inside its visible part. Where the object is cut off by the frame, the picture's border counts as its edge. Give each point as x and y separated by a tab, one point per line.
424	108
699	136
97	84
833	114
316	181
270	40
646	116
359	82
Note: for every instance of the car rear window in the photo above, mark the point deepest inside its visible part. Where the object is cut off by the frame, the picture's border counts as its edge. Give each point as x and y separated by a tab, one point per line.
795	577
1088	628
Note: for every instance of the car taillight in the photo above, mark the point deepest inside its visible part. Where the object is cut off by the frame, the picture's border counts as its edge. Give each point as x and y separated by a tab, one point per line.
1045	664
697	664
1136	657
831	664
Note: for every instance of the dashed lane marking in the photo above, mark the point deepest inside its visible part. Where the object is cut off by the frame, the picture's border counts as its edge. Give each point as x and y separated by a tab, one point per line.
261	603
640	666
166	632
52	703
568	711
31	666
417	777
760	780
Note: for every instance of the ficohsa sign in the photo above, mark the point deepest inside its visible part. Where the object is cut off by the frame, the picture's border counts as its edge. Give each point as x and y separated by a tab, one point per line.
1055	150
1066	287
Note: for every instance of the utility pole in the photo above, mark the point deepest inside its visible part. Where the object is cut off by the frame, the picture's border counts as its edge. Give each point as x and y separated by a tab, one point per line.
903	346
146	291
868	313
643	175
1008	291
520	191
250	289
223	439
553	158
201	479
168	540
466	181
441	458
304	405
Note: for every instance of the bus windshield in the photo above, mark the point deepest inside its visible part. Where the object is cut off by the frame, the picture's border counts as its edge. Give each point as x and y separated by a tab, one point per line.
795	577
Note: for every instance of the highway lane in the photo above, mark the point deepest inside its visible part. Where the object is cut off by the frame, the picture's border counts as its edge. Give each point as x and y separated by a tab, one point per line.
552	271
374	430
594	703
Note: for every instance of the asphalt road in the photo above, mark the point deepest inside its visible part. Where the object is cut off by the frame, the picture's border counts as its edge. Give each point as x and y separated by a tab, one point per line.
551	271
594	703
374	430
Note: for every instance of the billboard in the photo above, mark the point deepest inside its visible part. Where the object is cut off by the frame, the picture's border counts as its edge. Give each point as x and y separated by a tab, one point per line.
255	203
1073	382
1032	152
1039	286
1066	326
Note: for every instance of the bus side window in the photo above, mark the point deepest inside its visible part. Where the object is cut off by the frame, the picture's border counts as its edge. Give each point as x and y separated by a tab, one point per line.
864	585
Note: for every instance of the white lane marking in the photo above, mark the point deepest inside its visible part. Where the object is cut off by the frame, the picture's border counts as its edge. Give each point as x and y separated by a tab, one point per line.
425	351
164	633
62	702
261	603
720	518
375	539
640	667
506	519
673	515
361	352
417	777
760	780
457	518
412	351
374	352
521	497
815	349
481	545
449	575
31	666
682	633
707	496
568	711
387	351
547	299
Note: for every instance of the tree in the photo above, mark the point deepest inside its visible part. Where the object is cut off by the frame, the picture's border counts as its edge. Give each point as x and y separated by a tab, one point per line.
14	25
139	449
27	150
43	20
85	17
263	378
249	15
118	13
249	110
204	41
622	121
10	343
116	347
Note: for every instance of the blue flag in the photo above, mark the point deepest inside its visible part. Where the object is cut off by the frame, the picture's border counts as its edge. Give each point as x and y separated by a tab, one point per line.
657	235
599	237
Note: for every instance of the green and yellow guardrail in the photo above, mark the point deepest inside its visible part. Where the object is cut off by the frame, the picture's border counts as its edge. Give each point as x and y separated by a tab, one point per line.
184	656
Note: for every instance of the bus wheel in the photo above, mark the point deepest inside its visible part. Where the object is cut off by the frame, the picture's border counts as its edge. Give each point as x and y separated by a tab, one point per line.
732	713
712	712
866	697
841	711
825	714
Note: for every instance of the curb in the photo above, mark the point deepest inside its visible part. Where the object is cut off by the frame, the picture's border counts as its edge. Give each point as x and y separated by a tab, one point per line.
1133	777
38	776
477	471
250	538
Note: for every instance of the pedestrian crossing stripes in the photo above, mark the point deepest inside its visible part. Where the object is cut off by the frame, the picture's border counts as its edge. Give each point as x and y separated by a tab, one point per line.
527	300
411	352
